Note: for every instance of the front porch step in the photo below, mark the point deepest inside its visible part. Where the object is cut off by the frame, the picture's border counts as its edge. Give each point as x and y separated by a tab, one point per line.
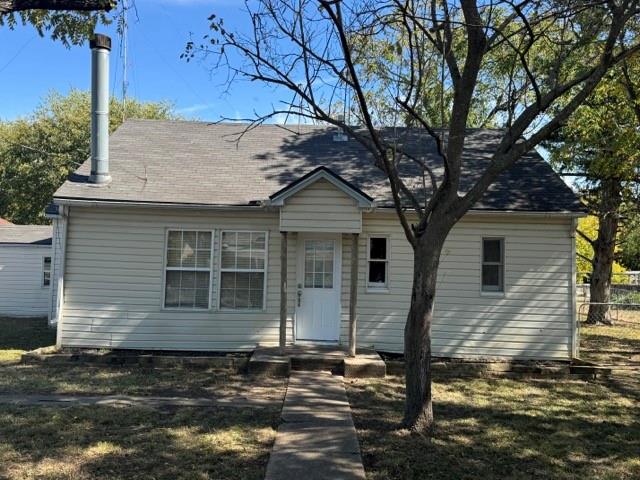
269	361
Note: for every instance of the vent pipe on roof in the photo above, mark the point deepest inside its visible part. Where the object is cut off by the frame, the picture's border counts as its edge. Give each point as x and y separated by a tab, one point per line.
100	48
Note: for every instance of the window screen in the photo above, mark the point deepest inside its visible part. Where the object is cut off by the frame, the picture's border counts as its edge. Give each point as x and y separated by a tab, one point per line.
242	270
378	261
188	269
492	265
46	271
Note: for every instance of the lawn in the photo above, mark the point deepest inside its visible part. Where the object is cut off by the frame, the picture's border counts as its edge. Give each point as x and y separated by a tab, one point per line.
102	442
503	429
106	380
78	443
616	344
22	334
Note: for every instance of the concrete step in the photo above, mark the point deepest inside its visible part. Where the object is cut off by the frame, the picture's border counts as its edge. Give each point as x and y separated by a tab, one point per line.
270	361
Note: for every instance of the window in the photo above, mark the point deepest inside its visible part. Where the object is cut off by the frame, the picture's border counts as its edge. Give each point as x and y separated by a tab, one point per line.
188	269
493	265
318	263
242	270
378	262
46	271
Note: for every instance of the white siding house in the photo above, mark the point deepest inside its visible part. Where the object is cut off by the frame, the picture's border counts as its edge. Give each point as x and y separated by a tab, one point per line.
184	248
25	269
115	267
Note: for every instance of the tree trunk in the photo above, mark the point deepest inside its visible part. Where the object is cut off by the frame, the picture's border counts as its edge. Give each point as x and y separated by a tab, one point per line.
418	414
604	250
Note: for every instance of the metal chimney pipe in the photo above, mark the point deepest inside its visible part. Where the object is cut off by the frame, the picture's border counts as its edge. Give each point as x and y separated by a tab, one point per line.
100	48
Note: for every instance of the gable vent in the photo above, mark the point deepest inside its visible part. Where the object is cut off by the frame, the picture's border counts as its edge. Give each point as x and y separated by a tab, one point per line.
340	137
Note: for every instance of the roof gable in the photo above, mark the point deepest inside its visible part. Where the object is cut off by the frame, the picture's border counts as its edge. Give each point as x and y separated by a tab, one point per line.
321	173
25	234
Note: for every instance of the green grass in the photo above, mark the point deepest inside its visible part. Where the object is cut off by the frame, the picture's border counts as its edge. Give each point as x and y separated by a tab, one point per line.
503	429
22	334
79	443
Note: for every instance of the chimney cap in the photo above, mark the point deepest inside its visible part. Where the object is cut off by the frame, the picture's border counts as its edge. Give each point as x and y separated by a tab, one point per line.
100	41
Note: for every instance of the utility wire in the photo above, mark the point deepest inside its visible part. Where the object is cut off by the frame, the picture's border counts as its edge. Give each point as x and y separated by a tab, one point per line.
20	50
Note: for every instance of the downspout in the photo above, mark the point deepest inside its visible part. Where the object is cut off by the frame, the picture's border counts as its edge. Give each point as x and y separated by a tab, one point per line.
64	220
51	319
575	326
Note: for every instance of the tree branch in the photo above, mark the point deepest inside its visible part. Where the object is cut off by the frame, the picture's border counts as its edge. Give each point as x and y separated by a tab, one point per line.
8	6
586	238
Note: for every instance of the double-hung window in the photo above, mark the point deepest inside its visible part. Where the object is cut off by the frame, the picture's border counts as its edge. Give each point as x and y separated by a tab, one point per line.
378	262
243	262
46	271
188	269
493	265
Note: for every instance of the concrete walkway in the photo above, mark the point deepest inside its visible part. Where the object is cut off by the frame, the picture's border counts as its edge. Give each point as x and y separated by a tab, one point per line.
317	438
128	400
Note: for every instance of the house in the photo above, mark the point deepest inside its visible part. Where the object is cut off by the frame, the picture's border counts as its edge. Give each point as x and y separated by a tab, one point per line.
25	270
186	236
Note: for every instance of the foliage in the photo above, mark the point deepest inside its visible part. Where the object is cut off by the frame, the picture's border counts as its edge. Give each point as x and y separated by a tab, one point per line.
630	245
71	27
37	153
601	139
584	250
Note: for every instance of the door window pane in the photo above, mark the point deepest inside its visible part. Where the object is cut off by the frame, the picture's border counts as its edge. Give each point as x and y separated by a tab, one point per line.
318	262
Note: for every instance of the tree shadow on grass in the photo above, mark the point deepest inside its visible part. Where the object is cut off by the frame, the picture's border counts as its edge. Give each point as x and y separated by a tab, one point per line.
496	429
25	333
135	443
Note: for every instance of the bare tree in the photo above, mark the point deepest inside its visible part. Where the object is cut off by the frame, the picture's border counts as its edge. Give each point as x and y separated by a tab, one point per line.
317	49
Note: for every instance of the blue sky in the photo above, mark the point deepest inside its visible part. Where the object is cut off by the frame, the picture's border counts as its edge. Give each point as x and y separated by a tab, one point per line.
31	66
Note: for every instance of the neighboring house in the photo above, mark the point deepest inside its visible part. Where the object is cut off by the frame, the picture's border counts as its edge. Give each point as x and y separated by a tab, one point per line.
5	222
25	270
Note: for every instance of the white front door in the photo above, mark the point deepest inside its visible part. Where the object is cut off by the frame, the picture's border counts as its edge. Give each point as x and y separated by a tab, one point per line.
318	288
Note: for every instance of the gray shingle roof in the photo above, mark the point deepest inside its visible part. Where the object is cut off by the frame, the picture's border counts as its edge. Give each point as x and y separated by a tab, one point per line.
201	163
25	234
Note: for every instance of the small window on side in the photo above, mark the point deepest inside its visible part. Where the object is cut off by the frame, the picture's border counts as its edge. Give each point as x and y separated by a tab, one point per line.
378	262
46	271
493	265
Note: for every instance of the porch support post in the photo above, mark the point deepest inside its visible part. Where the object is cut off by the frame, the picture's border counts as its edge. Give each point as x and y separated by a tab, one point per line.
283	291
353	297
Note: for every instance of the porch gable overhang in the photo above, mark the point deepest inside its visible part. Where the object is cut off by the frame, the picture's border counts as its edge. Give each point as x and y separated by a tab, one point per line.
321	202
362	199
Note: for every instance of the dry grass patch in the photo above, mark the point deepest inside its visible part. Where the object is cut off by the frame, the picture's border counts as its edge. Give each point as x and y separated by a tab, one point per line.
503	429
134	380
615	344
135	443
22	334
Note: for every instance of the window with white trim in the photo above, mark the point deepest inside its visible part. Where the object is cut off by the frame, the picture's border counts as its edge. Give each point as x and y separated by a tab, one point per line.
243	270
188	269
493	265
378	262
46	271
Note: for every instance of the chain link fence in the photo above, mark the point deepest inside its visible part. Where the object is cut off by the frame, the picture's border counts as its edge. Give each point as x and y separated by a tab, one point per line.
623	307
